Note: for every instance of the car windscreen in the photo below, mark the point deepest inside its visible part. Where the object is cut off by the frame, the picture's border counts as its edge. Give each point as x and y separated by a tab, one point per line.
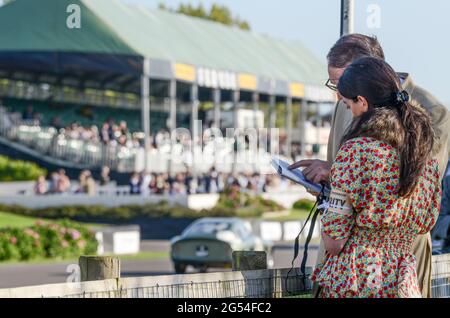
209	227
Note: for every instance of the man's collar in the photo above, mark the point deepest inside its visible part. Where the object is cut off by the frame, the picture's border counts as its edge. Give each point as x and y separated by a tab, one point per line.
407	82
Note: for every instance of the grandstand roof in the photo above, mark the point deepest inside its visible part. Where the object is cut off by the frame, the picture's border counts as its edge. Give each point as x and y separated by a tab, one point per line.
179	46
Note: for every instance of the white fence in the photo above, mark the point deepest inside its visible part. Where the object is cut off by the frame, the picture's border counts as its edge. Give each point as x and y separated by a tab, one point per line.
259	283
21	193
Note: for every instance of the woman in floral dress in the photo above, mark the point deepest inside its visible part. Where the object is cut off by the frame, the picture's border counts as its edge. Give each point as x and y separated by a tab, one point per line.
385	189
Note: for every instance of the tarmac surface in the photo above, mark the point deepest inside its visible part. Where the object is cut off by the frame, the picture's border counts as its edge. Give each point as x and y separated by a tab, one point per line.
16	275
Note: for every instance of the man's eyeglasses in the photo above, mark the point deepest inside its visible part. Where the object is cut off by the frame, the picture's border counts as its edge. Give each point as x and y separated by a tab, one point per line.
331	86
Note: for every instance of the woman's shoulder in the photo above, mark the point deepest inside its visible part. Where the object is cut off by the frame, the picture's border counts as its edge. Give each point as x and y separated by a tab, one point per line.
369	144
367	150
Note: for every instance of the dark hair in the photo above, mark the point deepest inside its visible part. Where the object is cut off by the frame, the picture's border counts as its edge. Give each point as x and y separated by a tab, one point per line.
390	116
351	47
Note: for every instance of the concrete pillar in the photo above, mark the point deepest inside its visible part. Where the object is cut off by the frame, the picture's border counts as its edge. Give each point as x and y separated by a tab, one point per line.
194	131
288	126
255	100
347	16
216	101
173	104
272	112
236	98
302	120
172	116
145	109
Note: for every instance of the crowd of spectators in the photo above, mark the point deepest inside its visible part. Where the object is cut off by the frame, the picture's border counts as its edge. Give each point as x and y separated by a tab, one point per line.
158	183
31	116
114	134
109	133
186	183
59	183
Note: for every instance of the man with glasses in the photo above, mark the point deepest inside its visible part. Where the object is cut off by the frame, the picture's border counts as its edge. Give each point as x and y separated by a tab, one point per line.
347	49
330	85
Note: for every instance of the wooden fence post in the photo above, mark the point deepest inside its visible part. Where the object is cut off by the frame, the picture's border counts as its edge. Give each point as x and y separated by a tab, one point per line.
249	260
99	267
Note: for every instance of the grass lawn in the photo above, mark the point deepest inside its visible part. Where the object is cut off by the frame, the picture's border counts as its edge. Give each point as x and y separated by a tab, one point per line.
142	256
294	215
13	220
19	221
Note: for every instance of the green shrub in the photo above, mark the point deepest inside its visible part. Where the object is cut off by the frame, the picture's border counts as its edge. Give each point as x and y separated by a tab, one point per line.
17	170
303	204
47	240
8	247
244	205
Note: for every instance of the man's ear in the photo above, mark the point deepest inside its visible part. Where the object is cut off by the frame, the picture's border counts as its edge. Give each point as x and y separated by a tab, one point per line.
364	103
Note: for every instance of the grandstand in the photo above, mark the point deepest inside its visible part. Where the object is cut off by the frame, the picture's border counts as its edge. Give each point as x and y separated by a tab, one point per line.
122	54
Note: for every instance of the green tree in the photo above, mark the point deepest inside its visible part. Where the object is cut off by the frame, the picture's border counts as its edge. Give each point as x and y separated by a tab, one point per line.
221	14
217	13
5	2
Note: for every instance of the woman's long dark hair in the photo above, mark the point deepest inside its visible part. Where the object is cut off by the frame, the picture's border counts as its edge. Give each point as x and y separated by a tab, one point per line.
390	117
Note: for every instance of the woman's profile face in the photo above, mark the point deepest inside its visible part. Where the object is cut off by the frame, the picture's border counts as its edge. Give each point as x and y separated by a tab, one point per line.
357	107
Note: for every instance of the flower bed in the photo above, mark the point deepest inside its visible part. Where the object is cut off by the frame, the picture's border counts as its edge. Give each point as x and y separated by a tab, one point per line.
47	240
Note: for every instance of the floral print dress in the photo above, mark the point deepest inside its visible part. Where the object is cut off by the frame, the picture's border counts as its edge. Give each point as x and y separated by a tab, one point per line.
376	261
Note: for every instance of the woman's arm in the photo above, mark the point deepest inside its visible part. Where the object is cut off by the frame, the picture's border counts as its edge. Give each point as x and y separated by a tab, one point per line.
333	246
337	222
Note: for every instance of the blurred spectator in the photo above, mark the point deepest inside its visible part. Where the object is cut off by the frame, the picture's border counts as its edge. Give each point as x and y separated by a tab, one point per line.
122	140
135	184
187	182
178	186
28	114
211	181
104	176
161	184
87	183
146	179
123	129
221	182
243	180
54	180
152	186
234	189
40	186
63	182
104	133
56	122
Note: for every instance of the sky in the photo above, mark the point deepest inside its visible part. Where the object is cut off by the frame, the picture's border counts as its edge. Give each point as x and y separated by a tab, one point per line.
413	33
